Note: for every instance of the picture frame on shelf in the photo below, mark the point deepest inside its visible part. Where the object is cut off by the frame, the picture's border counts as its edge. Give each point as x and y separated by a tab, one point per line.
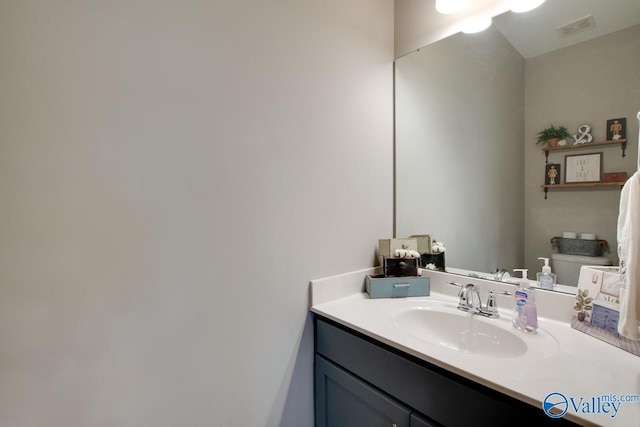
583	168
552	174
616	129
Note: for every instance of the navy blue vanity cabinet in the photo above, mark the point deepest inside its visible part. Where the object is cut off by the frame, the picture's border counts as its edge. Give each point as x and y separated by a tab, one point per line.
360	381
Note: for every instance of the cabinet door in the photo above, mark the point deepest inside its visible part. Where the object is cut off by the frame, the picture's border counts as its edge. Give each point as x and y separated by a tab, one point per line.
343	400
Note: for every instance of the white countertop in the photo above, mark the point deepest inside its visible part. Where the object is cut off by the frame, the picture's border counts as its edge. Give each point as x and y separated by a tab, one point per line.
581	366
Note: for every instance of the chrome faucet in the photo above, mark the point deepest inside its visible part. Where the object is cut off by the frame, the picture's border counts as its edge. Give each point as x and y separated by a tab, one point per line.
471	303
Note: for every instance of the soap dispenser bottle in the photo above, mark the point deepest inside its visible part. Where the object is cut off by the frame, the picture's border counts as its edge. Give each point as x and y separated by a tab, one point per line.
546	279
525	312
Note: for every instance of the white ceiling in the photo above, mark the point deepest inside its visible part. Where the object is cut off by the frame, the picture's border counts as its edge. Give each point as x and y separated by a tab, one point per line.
535	32
532	33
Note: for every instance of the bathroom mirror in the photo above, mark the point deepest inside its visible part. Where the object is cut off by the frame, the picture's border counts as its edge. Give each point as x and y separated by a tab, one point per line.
468	107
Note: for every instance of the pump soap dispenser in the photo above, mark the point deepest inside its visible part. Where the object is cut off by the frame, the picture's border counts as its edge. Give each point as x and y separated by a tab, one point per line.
525	313
546	279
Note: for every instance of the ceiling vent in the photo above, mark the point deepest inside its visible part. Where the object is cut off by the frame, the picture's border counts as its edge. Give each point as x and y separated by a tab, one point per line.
575	27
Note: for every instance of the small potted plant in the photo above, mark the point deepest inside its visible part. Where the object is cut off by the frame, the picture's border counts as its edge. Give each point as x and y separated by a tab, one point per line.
552	135
583	304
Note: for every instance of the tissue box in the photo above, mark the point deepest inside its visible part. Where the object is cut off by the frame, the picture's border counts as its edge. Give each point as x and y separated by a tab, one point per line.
379	286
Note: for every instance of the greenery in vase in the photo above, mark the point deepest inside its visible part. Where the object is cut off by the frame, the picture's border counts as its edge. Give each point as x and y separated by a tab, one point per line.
552	132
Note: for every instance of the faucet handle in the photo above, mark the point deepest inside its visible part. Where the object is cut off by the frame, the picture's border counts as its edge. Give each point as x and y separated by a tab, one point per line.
492	302
501	293
458	285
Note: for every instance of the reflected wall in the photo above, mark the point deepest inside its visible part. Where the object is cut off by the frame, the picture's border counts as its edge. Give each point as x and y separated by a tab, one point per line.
459	150
587	83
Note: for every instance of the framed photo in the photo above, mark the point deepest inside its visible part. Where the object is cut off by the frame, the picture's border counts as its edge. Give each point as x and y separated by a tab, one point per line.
616	129
552	174
583	168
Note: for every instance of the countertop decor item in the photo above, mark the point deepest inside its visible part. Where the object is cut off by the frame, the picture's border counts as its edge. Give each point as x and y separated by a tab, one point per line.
583	304
552	135
597	309
380	286
400	267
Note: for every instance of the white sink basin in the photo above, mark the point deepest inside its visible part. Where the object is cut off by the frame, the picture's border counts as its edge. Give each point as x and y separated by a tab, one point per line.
440	323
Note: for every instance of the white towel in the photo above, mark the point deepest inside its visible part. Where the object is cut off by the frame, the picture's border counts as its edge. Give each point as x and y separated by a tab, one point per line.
629	254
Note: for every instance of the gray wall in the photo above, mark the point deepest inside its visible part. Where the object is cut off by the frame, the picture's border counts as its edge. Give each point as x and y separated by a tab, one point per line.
588	83
456	177
172	175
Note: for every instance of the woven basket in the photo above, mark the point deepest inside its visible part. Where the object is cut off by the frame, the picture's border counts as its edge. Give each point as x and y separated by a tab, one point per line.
580	246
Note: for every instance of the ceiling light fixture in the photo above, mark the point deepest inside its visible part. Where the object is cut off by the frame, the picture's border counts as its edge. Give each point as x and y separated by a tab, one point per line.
520	6
448	7
476	25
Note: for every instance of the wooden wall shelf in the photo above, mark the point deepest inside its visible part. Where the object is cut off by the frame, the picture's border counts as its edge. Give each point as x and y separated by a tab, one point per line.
581	184
623	143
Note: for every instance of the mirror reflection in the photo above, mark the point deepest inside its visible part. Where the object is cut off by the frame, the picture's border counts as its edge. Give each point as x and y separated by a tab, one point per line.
468	109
